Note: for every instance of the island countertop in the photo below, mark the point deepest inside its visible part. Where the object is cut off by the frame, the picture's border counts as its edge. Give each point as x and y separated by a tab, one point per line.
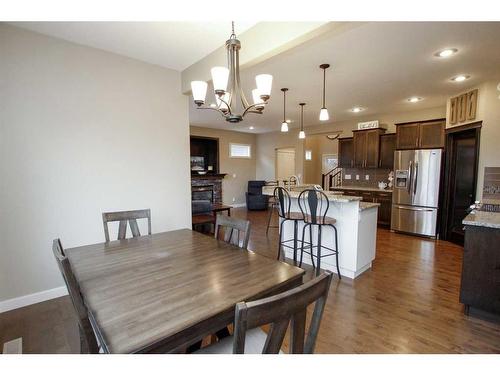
483	219
332	196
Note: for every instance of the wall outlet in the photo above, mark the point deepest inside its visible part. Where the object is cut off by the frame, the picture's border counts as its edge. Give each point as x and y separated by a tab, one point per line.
357	177
367	177
347	176
234	175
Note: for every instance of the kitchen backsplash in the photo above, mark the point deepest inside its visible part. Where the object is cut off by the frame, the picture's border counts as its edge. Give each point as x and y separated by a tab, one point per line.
491	186
375	176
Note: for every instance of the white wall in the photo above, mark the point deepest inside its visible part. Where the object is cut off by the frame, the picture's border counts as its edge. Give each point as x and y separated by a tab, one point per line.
82	131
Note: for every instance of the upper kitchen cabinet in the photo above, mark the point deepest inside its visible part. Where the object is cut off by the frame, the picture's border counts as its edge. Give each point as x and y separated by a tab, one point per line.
417	135
367	148
387	147
346	152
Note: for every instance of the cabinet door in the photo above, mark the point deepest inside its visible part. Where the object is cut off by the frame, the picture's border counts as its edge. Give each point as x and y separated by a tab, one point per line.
367	196
372	148
360	141
384	211
407	136
387	147
346	153
431	134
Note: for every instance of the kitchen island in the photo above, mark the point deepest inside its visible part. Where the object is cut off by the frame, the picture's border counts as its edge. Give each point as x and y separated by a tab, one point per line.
357	233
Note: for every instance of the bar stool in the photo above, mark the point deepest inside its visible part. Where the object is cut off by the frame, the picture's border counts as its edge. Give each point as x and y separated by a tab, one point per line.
314	206
283	205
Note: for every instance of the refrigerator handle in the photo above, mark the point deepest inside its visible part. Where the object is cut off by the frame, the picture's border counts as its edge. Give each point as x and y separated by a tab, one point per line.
416	178
410	175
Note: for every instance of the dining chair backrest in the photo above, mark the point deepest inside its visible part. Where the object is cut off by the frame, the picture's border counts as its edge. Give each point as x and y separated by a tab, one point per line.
282	197
314	205
123	217
87	337
278	311
231	228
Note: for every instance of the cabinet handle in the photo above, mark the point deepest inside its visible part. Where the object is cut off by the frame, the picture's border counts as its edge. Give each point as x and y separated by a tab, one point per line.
379	162
416	142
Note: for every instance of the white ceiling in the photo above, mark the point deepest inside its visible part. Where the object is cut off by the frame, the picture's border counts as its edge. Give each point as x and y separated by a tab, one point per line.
375	65
174	45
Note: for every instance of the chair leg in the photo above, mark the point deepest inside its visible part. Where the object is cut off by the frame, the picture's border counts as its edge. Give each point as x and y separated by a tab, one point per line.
311	244
279	240
302	244
319	251
336	251
295	233
269	218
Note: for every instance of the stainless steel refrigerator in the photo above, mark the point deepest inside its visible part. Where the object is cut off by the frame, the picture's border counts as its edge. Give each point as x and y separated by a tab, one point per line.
416	191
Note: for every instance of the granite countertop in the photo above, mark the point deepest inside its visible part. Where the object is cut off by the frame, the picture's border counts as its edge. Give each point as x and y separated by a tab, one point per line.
363	188
366	205
332	196
483	219
495	202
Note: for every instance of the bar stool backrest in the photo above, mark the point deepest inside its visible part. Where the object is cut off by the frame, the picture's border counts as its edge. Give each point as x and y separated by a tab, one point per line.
282	197
314	206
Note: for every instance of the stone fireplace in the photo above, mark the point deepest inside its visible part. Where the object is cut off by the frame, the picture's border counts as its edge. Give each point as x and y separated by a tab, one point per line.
202	184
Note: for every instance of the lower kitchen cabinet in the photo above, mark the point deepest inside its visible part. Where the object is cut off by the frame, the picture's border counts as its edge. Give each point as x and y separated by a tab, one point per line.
480	287
383	198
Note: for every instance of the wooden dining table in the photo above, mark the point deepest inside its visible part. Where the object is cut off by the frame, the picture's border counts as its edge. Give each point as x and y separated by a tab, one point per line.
163	292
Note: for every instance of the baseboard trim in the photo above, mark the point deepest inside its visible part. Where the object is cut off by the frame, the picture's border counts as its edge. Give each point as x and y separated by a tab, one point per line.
239	205
31	299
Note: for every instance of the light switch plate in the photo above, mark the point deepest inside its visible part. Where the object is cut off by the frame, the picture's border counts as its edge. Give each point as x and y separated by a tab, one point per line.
357	177
367	177
347	176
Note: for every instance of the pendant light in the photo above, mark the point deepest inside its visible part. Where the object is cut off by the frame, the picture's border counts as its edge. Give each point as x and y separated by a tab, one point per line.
323	113
284	124
302	134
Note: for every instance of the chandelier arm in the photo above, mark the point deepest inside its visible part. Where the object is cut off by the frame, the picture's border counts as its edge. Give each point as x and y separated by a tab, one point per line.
250	109
243	98
227	104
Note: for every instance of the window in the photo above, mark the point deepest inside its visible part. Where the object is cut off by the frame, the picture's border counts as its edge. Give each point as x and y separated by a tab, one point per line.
308	155
237	150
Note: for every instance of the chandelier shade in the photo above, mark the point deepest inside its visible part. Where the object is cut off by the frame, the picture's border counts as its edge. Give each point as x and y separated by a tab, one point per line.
227	87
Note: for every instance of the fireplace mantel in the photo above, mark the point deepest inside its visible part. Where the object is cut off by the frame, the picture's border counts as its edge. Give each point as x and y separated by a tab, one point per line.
213	176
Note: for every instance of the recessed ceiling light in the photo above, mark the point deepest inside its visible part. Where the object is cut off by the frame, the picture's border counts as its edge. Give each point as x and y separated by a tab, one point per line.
414	99
460	78
357	109
251	128
446	52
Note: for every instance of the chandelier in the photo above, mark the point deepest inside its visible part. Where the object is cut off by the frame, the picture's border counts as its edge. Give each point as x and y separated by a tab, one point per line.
226	99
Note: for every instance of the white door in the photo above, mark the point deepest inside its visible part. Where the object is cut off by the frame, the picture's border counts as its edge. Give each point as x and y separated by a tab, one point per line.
285	163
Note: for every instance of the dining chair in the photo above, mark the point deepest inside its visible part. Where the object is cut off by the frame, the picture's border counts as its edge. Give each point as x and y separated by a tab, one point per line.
278	311
232	228
88	341
123	217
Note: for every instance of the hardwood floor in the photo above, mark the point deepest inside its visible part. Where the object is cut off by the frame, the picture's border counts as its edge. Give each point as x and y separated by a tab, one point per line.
407	303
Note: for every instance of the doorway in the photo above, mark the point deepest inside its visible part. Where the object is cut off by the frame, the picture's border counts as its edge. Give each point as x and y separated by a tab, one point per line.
462	156
285	163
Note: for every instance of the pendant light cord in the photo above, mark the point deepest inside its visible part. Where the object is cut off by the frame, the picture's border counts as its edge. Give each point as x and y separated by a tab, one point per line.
284	104
324	86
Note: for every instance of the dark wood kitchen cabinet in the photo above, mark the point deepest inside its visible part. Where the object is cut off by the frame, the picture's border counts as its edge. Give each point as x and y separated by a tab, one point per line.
367	148
346	152
480	287
387	147
384	198
417	135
